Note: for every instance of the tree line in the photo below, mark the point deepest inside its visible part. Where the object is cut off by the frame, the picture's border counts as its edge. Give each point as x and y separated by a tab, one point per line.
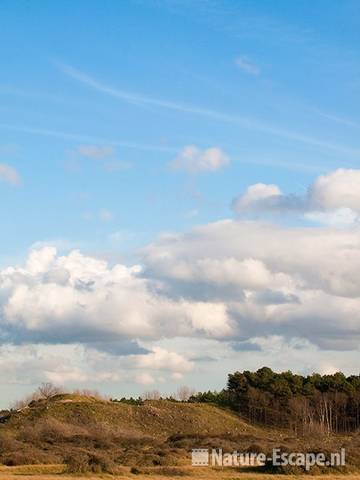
324	403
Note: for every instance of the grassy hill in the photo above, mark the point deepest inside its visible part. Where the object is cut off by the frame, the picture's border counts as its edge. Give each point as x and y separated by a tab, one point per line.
88	434
161	432
156	418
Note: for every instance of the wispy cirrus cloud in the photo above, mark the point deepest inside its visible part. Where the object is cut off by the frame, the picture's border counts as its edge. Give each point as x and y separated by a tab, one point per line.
83	138
251	124
340	120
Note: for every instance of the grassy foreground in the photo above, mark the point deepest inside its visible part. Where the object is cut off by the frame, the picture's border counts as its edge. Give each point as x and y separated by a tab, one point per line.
54	472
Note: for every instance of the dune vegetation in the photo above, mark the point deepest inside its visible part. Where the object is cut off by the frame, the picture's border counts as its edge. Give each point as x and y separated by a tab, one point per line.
83	433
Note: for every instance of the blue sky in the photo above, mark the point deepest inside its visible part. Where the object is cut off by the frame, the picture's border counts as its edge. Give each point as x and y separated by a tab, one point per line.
98	101
304	87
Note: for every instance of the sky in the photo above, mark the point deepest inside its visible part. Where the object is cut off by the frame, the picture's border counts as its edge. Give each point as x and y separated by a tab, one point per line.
179	192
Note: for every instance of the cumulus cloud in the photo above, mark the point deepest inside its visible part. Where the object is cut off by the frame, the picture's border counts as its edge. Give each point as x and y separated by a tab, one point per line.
266	197
257	193
228	280
227	287
75	364
144	379
160	358
341	217
193	160
338	189
9	174
332	199
64	299
272	279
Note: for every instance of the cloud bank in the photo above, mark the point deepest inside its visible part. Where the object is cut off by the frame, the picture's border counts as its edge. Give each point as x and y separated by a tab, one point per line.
230	287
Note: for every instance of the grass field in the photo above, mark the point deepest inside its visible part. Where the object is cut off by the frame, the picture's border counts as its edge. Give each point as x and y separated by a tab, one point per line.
54	472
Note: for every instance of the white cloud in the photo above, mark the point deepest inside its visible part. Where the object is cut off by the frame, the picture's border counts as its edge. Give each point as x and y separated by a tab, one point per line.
9	174
272	279
64	375
256	195
76	365
326	368
227	287
340	217
161	359
333	199
70	298
245	273
144	379
193	160
337	189
244	64
226	280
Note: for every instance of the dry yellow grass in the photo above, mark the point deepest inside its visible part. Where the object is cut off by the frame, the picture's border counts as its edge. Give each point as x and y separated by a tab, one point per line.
158	418
55	472
32	470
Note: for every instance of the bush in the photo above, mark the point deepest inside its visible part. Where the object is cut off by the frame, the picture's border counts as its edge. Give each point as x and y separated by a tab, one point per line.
102	435
77	463
27	456
8	443
89	462
49	430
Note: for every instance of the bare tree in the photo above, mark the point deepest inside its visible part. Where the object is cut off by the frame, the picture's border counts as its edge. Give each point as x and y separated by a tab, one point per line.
151	395
48	390
184	393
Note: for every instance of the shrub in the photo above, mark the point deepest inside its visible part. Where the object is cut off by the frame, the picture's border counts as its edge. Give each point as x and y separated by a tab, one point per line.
8	443
49	430
28	456
89	462
77	463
